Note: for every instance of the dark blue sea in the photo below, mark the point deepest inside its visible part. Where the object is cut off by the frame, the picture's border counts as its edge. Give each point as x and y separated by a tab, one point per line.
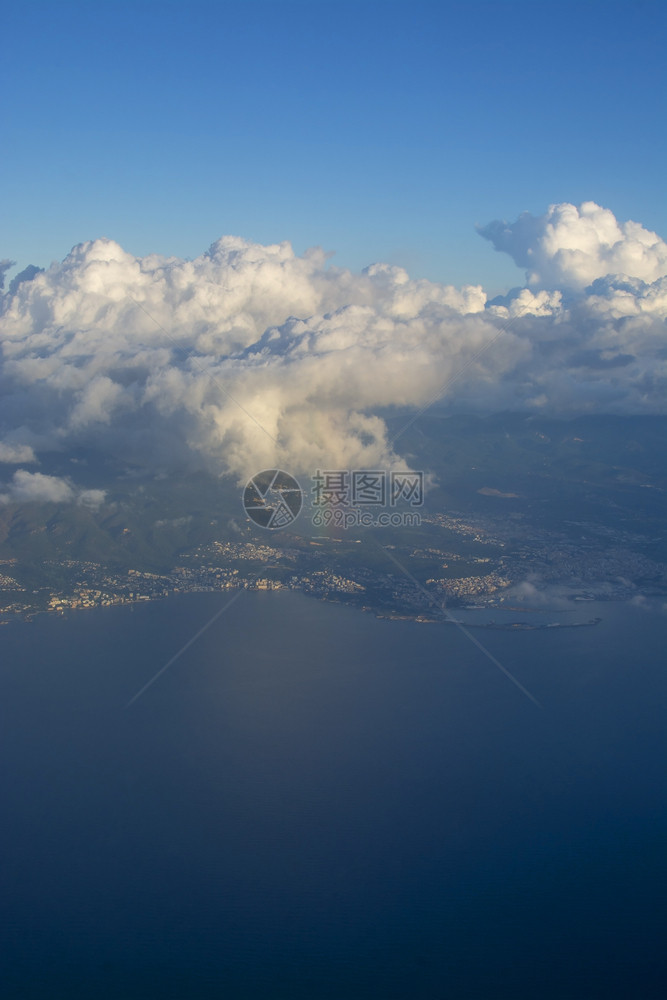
310	803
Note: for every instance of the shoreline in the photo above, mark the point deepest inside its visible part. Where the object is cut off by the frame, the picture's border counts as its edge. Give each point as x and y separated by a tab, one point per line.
381	614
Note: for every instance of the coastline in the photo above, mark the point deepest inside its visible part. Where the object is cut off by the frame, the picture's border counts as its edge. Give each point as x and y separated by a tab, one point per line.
379	611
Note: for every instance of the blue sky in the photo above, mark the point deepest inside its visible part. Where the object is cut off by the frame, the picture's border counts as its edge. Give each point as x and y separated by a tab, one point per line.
381	131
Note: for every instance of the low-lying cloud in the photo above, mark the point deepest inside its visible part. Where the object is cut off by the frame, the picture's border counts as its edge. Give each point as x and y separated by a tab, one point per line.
14	454
35	487
251	356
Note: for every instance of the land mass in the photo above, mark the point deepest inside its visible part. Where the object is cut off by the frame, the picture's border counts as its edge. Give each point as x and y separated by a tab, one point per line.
582	516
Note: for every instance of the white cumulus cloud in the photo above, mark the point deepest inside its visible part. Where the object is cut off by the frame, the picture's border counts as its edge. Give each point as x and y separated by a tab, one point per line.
569	247
251	356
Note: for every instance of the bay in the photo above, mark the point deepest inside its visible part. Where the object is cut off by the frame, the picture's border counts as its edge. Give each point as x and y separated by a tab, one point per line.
313	803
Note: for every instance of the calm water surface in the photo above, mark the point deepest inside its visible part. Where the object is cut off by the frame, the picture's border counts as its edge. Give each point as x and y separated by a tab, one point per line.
312	803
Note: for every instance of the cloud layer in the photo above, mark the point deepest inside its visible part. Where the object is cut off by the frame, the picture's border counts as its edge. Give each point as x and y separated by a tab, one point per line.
250	356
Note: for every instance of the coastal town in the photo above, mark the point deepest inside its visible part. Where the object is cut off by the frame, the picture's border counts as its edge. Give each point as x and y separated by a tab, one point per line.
482	562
